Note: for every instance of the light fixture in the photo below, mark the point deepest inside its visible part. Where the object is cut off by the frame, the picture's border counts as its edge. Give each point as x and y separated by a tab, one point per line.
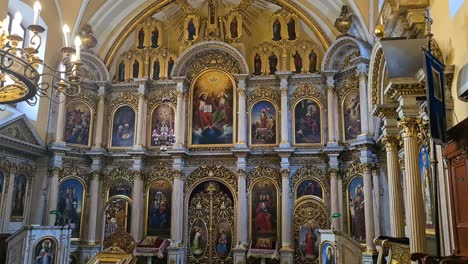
20	79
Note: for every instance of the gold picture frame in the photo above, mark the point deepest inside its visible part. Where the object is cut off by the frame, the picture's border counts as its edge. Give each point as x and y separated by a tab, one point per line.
347	203
332	245
106	206
91	122
322	185
150	123
234	109
196	22
343	129
429	231
83	203
293	114
148	199
41	239
26	198
276	123
111	128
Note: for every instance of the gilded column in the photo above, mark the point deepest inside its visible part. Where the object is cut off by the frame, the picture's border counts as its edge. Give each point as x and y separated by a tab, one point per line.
141	117
242	112
369	208
61	118
395	193
180	118
415	209
101	108
362	75
284	111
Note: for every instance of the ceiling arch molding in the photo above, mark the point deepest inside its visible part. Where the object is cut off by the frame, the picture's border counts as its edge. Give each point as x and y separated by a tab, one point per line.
347	42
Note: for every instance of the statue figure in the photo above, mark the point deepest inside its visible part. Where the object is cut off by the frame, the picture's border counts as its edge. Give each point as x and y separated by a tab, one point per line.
292	29
276	30
156	69
312	62
136	69
273	62
141	38
170	65
234	33
297	62
191	30
122	71
257	65
154	38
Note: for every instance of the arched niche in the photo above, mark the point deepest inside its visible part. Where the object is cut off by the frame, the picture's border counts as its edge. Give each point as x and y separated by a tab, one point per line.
345	52
94	67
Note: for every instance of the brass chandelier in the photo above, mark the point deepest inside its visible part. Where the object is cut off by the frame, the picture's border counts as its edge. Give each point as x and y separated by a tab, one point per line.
20	79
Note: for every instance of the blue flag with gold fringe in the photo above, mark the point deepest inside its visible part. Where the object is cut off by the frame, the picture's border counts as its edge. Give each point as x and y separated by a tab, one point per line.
435	97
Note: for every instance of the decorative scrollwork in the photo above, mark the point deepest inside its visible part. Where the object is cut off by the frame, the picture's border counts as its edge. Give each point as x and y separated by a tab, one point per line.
212	59
119	173
156	98
349	83
219	172
24	168
125	98
5	165
353	168
264	171
89	97
377	76
158	173
263	92
308	172
306	91
74	171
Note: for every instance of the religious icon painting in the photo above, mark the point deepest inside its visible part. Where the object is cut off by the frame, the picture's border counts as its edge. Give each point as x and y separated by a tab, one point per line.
234	23
307	123
70	202
159	200
351	115
213	108
162	125
263	123
264	209
19	197
328	253
309	187
191	26
357	229
308	240
78	124
117	216
123	127
223	238
45	251
198	238
427	187
120	187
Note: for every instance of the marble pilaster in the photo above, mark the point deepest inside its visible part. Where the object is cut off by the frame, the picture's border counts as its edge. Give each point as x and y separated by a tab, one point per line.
242	112
368	208
136	228
141	117
362	75
101	108
94	200
376	197
332	137
180	120
284	109
59	135
53	191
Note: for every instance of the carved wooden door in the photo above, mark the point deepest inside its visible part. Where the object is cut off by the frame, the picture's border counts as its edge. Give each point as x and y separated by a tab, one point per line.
211	232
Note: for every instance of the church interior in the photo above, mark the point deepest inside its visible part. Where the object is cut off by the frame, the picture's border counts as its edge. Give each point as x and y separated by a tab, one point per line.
233	131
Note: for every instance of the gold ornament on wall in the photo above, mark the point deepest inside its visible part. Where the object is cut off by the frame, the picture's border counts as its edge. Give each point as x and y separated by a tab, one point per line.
88	41
219	172
263	93
344	21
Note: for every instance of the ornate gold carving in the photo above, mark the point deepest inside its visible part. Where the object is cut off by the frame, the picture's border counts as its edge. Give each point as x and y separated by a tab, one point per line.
313	213
406	89
211	59
157	96
119	240
353	168
158	173
74	171
308	172
88	41
88	97
6	166
344	21
218	172
24	168
391	142
351	82
377	77
410	127
266	93
125	98
306	91
119	173
264	171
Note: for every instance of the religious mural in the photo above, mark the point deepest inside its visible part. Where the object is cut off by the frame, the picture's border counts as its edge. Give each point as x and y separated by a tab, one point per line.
162	125
309	187
213	108
123	127
427	187
308	241
117	216
120	187
223	239
351	115
70	202
78	123
19	197
198	238
328	253
307	122
264	210
356	218
159	209
263	123
45	251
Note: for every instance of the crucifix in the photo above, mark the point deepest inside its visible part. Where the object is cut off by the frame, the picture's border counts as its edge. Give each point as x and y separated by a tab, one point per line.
212	13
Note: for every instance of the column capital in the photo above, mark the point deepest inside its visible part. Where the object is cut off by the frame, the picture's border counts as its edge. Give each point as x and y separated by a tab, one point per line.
141	89
362	70
410	127
391	142
367	167
178	174
241	173
285	173
241	78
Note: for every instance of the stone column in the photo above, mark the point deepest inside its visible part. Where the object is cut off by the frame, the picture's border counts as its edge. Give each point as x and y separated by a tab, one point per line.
415	209
101	108
335	203
284	110
61	119
286	250
376	197
242	112
242	210
53	191
137	197
332	137
369	208
8	201
94	200
395	193
140	133
180	119
362	75
342	209
176	251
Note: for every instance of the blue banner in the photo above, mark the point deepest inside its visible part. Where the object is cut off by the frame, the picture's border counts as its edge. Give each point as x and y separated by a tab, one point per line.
435	97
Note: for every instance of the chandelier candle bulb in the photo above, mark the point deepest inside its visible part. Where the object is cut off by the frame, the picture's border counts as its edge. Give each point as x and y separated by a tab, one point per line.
62	72
78	48
66	35
37	11
18	18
